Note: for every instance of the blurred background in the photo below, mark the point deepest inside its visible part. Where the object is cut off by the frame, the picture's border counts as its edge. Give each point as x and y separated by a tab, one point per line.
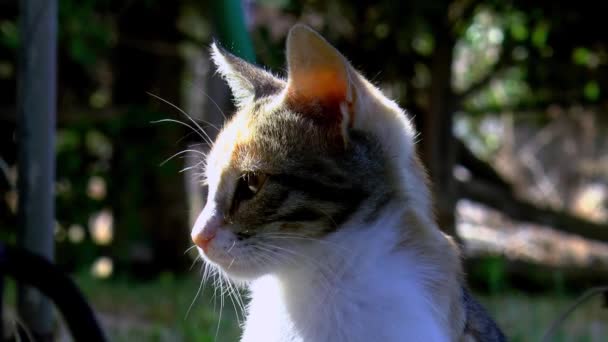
510	97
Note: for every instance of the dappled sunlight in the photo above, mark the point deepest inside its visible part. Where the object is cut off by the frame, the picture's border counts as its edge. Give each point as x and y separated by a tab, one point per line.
76	233
509	102
96	188
486	231
101	227
102	267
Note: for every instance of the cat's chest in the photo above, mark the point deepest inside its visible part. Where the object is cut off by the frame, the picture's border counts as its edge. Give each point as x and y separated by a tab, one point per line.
356	309
267	314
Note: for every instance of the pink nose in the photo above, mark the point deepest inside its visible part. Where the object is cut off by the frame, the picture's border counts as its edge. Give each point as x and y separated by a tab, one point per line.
204	233
202	240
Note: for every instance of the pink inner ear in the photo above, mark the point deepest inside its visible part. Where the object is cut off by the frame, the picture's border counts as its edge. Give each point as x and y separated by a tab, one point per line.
318	94
321	86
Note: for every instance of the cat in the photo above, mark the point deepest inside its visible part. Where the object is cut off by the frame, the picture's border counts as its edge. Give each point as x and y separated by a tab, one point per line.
318	204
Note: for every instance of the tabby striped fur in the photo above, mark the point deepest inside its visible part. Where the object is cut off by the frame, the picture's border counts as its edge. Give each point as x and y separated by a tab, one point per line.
317	203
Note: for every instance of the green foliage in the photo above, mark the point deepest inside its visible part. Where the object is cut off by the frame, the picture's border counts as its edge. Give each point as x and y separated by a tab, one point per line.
506	48
97	170
423	43
540	34
525	317
492	270
592	91
477	51
83	30
9	34
516	22
160	310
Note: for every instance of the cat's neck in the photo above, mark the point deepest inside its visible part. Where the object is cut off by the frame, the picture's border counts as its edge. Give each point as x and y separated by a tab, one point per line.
360	274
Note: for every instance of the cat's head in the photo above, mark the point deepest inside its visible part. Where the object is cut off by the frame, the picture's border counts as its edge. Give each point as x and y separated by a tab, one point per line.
301	159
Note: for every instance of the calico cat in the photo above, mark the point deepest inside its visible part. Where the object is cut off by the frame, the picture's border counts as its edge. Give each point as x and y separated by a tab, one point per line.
318	204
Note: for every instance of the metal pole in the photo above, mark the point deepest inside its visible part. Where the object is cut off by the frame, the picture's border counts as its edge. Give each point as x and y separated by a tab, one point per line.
36	105
231	28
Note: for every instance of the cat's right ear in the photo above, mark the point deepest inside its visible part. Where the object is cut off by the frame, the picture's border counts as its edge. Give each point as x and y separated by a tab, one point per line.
246	81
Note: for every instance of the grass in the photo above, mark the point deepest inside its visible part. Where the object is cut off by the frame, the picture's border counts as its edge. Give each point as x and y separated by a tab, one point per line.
156	311
526	318
160	310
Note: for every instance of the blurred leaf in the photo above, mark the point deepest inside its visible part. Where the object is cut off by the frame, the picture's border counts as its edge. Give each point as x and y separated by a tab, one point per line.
492	269
67	140
6	69
592	91
540	34
423	43
516	23
586	57
519	32
81	28
98	144
9	34
580	55
99	98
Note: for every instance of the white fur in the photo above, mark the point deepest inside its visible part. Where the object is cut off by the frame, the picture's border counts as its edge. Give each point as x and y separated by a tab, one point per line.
356	284
373	293
242	89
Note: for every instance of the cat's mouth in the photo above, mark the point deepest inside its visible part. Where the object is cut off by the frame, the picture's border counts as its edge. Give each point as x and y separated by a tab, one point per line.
234	257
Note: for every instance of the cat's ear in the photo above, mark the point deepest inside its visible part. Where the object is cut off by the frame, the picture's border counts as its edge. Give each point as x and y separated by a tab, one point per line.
319	79
246	81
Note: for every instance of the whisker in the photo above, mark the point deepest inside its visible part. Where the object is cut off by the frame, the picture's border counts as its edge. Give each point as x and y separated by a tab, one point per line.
192	166
180	153
205	138
210	99
323	269
288	236
231	247
189	249
236	296
183	112
200	286
216	105
194	262
189	134
219	321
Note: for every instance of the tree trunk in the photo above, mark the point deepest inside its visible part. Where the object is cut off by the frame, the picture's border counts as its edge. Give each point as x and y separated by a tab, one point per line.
438	151
37	111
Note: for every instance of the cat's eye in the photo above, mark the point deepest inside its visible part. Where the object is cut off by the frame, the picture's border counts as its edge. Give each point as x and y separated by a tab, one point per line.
255	181
248	185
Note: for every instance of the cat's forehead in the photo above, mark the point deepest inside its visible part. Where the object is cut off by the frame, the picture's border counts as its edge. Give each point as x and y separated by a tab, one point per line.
265	136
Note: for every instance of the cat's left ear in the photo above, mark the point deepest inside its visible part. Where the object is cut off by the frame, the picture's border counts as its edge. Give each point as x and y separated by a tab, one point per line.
320	81
246	81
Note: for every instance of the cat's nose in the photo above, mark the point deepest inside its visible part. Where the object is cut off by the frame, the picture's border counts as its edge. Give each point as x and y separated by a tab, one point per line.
204	232
202	240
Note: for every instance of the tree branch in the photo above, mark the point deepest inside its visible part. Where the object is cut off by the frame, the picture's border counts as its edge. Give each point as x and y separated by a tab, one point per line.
507	203
479	168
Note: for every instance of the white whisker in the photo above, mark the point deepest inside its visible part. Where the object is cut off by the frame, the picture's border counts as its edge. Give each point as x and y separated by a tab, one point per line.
200	286
189	249
205	137
184	113
180	153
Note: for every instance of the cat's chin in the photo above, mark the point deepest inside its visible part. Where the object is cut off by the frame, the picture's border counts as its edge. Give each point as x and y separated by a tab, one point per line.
240	272
243	275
